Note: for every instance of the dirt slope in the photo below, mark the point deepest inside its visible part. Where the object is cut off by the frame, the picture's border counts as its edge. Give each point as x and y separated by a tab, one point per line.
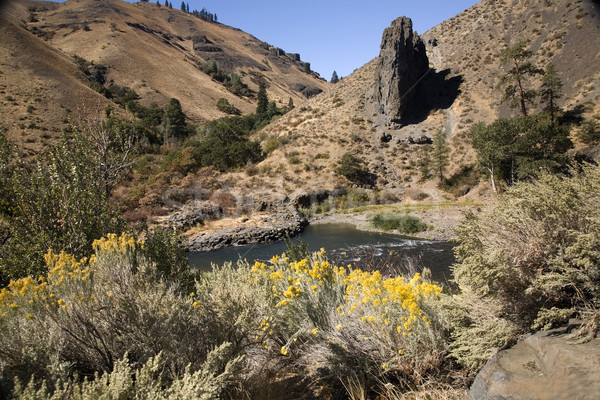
156	51
464	54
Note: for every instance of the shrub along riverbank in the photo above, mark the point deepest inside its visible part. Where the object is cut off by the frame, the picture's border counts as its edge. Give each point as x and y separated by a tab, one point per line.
132	320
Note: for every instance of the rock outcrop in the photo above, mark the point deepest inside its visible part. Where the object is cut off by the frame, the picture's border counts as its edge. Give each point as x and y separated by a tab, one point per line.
542	366
249	220
284	223
402	64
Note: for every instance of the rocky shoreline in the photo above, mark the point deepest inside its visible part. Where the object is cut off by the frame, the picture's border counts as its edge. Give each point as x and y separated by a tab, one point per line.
243	235
285	221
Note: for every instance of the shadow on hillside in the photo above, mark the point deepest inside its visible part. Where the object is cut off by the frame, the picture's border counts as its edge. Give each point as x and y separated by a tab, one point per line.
436	91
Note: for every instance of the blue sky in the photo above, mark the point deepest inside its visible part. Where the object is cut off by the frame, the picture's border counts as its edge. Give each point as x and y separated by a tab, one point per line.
331	35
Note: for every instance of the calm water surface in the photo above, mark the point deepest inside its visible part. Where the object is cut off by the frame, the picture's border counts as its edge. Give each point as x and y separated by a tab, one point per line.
344	245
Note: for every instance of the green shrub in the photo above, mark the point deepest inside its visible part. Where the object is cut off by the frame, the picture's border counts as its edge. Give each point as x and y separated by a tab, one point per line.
273	143
61	204
224	105
531	260
355	170
590	132
403	223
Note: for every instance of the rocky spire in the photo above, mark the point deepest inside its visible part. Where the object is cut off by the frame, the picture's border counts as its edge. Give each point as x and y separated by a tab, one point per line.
402	63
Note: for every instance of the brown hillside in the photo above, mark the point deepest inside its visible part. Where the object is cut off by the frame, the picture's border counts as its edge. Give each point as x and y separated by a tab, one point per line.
154	50
40	87
463	50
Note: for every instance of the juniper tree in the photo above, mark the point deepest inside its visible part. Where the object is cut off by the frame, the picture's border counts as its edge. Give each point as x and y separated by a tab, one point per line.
515	79
263	101
551	91
173	121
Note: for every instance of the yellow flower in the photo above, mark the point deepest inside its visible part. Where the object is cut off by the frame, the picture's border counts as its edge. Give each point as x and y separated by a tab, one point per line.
338	327
284	350
29	316
196	304
315	331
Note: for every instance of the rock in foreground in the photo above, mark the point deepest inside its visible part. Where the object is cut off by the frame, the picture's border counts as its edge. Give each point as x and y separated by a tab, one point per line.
542	366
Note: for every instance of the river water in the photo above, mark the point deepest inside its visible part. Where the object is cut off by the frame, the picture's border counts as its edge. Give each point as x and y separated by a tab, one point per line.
344	244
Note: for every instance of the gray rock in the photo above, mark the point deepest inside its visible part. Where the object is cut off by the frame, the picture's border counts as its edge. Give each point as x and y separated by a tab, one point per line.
402	63
546	366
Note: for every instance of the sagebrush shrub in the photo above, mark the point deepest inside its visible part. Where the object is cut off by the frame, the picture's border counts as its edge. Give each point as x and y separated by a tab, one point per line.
533	260
129	322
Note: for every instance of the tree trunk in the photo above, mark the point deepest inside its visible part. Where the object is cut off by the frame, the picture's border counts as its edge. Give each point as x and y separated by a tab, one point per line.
493	179
521	94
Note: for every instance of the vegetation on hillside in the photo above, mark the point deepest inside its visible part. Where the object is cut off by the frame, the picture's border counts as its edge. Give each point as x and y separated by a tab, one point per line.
519	148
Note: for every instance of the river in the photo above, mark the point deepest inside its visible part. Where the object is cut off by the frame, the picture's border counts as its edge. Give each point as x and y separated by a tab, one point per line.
344	244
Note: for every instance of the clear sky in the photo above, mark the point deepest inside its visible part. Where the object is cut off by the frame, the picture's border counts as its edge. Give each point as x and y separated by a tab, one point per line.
331	35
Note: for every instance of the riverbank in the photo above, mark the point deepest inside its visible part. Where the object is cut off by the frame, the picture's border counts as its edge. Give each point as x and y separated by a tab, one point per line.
282	220
442	218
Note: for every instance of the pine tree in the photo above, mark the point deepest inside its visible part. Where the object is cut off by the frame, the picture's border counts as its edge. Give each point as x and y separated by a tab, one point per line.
263	101
290	105
334	77
187	8
158	3
183	6
551	91
439	154
514	81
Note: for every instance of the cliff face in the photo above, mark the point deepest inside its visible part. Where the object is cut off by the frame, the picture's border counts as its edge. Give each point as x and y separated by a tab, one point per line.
402	64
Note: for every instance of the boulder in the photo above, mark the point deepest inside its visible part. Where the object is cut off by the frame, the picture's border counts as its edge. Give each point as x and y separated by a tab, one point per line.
545	365
402	64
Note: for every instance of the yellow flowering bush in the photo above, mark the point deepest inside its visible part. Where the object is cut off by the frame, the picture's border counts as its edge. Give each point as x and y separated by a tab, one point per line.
326	318
84	315
277	319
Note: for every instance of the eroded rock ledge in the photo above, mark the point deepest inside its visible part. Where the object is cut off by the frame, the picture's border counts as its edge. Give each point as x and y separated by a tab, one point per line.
276	228
230	219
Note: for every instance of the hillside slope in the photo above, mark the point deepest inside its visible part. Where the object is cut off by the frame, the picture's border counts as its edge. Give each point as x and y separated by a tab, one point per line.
156	51
463	52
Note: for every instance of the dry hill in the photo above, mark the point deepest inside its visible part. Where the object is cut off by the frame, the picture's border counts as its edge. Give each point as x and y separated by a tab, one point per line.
463	52
156	51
